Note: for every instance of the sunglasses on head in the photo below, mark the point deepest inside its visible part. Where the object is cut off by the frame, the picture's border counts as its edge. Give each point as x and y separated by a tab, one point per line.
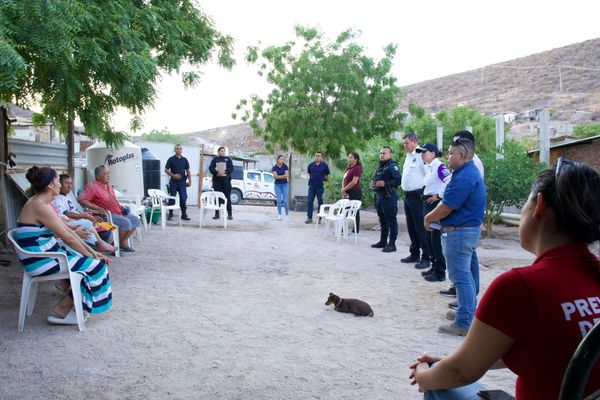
561	164
462	143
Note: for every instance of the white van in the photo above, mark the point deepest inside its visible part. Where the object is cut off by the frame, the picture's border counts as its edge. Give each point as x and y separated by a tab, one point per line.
247	184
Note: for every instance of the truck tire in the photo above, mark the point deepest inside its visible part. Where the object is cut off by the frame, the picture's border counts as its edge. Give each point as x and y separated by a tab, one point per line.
236	196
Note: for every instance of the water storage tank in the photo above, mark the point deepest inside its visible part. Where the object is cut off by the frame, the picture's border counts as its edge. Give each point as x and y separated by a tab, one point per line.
151	167
125	164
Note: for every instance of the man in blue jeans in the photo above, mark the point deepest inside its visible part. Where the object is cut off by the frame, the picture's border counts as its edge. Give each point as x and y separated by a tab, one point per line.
461	214
318	172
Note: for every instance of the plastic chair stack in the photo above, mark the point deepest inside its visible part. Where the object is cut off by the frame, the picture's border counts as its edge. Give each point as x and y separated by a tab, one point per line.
352	210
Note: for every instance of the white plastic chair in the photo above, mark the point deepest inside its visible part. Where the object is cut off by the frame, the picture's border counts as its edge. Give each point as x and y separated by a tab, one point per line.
338	218
115	234
134	203
351	211
30	283
210	201
160	202
329	209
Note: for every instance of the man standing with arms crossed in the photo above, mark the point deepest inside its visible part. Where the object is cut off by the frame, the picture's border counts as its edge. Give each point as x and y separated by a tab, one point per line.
461	214
221	168
178	168
318	172
413	181
384	183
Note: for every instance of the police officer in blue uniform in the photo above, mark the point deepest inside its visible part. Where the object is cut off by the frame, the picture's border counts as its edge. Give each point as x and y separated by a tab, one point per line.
384	183
178	168
221	178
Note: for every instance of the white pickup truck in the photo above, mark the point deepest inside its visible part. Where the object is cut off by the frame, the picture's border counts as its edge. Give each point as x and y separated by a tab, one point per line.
247	184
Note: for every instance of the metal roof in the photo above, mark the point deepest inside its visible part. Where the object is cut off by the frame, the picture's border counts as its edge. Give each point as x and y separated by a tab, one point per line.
570	143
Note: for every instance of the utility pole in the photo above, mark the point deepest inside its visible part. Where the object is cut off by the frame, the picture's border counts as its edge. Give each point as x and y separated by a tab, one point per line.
201	174
545	137
440	137
499	135
560	87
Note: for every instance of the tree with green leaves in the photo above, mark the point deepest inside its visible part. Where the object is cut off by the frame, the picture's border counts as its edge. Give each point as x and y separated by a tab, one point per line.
586	130
85	58
508	179
369	158
328	97
163	136
453	120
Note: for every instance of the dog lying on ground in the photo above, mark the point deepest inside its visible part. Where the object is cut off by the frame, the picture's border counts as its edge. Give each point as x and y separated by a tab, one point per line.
354	306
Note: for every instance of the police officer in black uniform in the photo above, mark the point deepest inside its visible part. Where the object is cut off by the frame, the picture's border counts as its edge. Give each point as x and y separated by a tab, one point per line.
178	168
221	180
384	183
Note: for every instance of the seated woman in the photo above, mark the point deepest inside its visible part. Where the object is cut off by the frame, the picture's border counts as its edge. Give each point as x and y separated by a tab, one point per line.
531	319
100	196
36	230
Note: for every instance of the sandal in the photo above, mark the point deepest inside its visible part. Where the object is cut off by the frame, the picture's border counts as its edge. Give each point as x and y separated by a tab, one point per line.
70	319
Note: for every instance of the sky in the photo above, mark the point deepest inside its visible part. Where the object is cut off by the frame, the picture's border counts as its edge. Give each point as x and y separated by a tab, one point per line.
435	38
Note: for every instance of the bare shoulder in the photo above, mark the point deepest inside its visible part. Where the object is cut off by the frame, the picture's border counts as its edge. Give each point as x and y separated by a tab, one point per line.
32	210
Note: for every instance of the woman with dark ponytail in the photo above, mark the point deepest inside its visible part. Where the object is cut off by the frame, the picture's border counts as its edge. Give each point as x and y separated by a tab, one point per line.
531	319
37	229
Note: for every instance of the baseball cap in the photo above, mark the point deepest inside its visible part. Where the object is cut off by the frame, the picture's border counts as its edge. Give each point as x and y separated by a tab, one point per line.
427	147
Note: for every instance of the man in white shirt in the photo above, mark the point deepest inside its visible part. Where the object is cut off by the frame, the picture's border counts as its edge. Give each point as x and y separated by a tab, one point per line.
413	181
66	207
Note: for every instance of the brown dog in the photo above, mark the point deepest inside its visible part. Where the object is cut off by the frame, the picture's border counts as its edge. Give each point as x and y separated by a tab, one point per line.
354	306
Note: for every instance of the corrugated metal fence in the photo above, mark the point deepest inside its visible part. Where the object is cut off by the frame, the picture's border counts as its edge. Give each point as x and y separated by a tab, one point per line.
28	154
41	154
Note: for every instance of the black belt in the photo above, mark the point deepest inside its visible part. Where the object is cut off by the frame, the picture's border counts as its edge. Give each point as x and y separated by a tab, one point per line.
417	192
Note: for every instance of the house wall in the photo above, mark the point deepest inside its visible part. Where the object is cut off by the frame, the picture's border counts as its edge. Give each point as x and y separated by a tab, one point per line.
583	152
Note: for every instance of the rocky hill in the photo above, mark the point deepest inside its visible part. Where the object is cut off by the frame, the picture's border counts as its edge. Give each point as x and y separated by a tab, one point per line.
565	81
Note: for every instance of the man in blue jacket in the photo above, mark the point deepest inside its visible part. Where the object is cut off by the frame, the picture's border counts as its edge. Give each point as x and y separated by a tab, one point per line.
318	172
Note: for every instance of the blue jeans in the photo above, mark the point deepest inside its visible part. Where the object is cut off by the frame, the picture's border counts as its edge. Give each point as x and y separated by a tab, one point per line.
459	247
475	271
468	392
281	192
312	192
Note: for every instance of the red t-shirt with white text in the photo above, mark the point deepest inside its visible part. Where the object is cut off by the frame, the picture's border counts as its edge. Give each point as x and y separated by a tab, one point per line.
547	308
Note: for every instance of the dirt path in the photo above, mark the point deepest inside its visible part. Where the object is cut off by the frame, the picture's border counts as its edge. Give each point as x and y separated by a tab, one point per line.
240	314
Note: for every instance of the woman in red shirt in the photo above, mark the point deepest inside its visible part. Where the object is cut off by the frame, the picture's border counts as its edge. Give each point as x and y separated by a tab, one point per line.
351	185
531	319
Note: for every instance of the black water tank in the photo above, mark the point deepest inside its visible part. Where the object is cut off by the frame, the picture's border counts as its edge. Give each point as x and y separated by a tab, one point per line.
151	168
